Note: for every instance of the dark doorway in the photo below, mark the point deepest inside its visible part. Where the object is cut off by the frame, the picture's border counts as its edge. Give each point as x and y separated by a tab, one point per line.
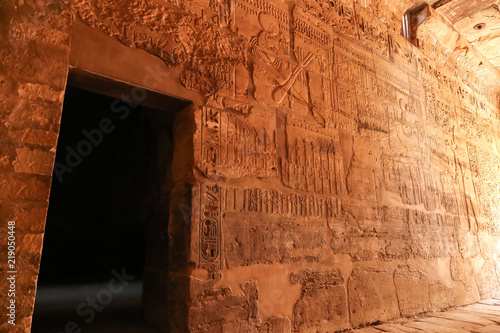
110	186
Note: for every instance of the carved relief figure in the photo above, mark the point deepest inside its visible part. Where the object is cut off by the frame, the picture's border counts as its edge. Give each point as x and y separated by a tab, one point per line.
270	41
286	87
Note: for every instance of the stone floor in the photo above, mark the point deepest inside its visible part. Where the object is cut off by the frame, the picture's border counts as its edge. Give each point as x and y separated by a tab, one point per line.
482	317
57	306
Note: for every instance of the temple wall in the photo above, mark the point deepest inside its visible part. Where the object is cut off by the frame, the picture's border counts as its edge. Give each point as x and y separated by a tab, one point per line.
34	48
338	175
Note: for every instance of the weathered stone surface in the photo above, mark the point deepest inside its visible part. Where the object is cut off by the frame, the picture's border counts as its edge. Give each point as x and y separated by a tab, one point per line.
215	308
462	271
41	115
372	296
313	277
24	188
323	303
34	51
269	244
321	145
441	296
321	308
486	279
278	324
34	162
37	137
39	92
32	243
412	287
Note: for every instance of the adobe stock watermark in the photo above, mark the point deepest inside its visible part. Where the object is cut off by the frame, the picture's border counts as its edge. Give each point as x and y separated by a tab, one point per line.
92	305
11	272
92	138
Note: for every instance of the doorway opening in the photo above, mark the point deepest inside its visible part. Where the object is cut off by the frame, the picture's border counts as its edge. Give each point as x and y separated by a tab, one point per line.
109	198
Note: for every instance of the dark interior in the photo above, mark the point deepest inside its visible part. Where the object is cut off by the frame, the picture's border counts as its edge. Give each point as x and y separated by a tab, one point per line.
98	211
111	179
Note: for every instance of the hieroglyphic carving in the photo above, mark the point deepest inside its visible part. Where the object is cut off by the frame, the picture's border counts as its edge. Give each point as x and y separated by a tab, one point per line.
407	130
400	51
430	109
338	14
222	10
266	27
271	44
347	107
435	50
210	229
387	92
299	79
294	87
373	121
311	166
484	131
487	109
352	62
232	147
476	128
438	145
448	194
261	15
391	75
313	35
211	11
223	80
399	89
433	234
484	166
179	3
432	76
276	203
293	71
422	218
168	39
300	123
372	31
350	70
210	137
168	47
412	182
444	116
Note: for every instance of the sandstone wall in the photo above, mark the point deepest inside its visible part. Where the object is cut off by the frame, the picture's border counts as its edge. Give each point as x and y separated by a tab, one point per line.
34	48
340	175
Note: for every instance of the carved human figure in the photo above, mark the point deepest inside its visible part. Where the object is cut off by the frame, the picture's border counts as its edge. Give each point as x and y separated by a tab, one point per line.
270	40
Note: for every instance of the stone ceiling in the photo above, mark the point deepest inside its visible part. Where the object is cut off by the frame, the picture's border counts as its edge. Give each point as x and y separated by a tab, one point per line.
463	35
478	21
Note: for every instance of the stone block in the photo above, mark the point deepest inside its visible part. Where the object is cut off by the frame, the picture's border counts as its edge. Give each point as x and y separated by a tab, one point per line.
372	296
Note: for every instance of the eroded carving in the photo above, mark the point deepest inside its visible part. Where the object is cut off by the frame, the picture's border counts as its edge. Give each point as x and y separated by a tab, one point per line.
230	146
272	202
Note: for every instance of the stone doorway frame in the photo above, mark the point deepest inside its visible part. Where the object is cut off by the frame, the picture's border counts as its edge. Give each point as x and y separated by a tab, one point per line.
159	295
